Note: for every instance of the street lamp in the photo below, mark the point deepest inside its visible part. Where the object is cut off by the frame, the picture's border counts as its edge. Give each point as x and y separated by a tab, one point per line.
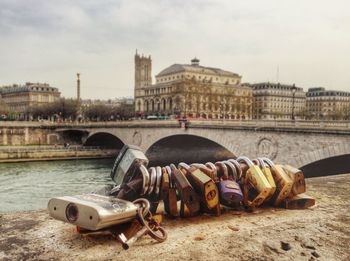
294	89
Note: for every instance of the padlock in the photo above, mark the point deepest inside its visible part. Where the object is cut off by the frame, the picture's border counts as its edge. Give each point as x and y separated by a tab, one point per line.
283	182
128	160
203	185
92	211
230	193
267	172
298	178
301	201
229	190
186	191
169	193
256	180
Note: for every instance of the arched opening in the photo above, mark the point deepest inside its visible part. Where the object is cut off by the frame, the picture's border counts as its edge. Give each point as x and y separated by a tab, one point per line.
170	104
104	140
164	105
152	105
147	105
139	106
329	166
73	136
186	148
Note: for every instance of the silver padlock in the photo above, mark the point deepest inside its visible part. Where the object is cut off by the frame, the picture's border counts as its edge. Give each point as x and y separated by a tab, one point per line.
92	211
129	159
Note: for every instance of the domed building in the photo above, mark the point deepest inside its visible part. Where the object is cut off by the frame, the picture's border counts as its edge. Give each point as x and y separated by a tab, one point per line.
190	90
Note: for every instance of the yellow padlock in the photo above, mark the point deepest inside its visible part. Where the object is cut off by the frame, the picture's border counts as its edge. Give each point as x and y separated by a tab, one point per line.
254	178
267	172
298	179
283	182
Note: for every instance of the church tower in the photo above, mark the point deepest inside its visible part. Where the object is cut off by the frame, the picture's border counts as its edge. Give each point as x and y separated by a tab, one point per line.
143	71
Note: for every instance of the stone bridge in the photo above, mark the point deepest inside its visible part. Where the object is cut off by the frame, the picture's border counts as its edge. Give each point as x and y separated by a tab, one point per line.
299	143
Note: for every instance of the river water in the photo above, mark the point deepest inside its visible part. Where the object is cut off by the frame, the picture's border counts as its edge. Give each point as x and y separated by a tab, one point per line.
29	185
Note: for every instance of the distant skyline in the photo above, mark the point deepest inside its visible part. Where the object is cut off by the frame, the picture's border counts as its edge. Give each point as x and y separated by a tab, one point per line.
308	42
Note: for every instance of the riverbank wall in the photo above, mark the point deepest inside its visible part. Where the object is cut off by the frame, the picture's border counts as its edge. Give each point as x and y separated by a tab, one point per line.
37	153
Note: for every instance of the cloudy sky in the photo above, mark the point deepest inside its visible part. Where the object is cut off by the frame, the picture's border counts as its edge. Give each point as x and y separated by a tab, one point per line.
50	40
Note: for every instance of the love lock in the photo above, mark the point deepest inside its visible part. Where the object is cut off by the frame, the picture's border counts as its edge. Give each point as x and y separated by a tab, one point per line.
254	179
129	159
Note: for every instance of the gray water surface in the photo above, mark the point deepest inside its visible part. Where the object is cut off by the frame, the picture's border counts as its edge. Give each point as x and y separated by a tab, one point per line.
29	185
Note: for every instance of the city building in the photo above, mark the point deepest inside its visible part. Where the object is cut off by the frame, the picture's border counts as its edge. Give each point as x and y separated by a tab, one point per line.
190	90
278	101
327	104
19	98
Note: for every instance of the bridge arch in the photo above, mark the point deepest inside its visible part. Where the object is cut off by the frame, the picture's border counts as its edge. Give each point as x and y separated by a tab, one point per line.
323	154
105	140
187	148
327	166
72	136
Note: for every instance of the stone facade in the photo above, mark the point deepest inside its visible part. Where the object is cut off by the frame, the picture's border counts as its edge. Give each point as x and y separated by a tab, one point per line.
190	90
20	97
277	101
327	104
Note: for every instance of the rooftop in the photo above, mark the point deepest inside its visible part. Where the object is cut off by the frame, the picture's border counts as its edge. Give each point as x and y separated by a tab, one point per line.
28	87
195	68
269	85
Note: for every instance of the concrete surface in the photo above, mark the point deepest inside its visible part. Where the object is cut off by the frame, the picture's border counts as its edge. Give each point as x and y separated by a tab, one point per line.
318	233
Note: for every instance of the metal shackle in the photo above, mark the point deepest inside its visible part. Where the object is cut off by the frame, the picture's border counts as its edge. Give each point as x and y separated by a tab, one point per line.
143	204
153	177
145	179
198	165
159	179
261	162
222	165
212	167
245	160
207	170
183	165
168	170
233	169
268	161
238	167
256	162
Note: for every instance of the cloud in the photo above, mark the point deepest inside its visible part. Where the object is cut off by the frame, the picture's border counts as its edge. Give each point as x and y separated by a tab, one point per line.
49	41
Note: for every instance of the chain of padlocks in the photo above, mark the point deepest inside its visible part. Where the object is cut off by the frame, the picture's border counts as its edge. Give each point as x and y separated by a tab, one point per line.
130	209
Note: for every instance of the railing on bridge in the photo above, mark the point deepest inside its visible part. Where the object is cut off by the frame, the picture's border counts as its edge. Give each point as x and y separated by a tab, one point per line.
297	124
8	149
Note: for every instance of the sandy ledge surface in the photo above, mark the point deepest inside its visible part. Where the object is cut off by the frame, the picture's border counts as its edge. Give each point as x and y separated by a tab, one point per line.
319	233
